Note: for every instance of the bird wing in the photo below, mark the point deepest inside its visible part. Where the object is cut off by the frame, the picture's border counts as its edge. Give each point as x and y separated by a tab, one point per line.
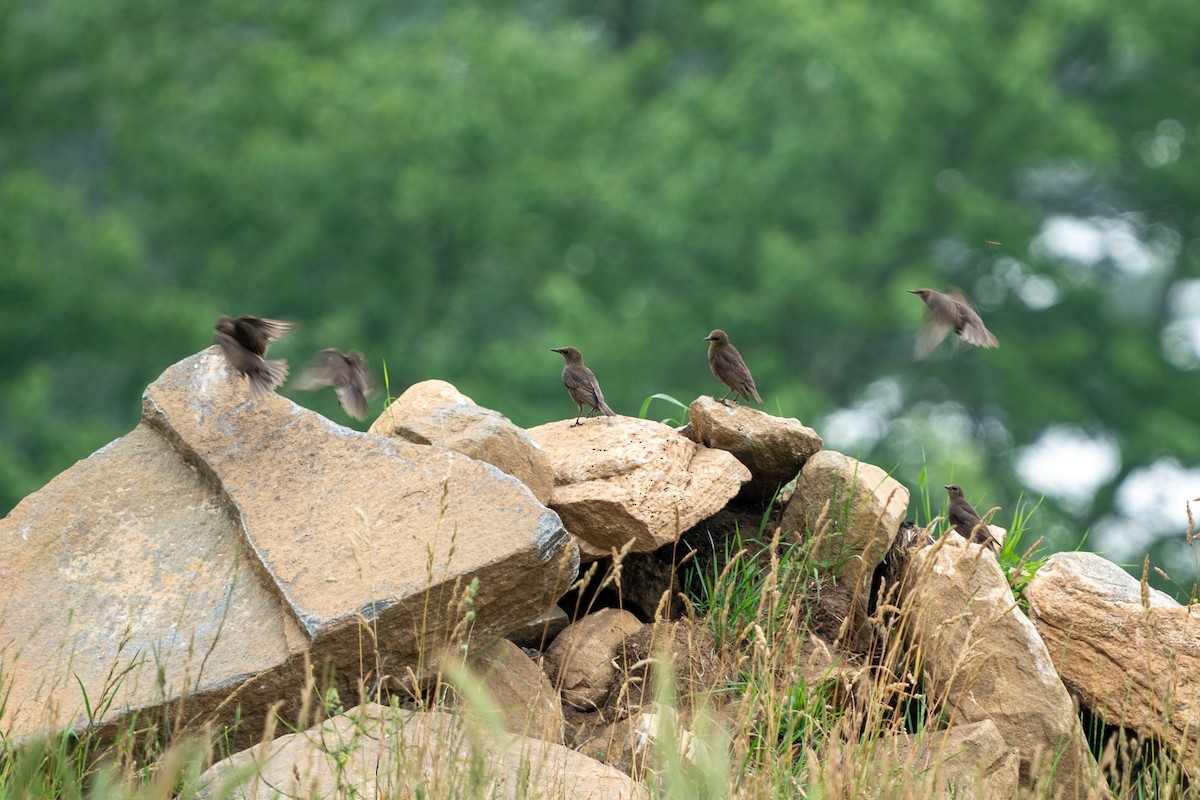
970	324
583	386
322	369
736	375
257	334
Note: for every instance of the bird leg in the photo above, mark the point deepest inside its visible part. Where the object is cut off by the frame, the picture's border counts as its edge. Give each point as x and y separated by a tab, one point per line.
721	400
577	416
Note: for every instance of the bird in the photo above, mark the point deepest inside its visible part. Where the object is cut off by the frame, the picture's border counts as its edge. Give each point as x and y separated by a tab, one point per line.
951	311
966	520
244	341
727	365
345	372
581	384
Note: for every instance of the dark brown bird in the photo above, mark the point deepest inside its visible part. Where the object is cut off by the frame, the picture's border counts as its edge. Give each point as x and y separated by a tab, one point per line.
245	341
345	372
966	520
951	312
726	363
582	384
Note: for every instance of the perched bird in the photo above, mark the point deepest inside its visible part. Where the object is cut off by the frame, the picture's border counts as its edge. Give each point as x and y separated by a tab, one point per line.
966	520
245	341
726	363
951	311
582	384
345	372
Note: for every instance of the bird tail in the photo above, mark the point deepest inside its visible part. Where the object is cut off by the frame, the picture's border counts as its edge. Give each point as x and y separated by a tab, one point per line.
608	412
757	398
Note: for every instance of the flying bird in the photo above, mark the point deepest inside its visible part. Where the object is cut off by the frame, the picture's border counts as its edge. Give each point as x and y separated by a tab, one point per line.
347	375
727	365
947	312
244	341
966	520
581	384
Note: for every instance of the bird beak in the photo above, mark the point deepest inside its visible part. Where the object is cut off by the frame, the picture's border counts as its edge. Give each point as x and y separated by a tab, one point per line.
708	338
947	488
555	349
914	291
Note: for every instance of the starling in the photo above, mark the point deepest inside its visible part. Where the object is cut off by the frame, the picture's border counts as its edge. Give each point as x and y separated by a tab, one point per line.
345	372
726	363
951	311
582	384
966	521
245	341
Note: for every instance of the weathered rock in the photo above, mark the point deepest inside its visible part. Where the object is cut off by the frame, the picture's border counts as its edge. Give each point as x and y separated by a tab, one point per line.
618	479
539	632
851	511
436	413
982	659
581	659
521	691
772	448
970	760
1133	665
373	751
221	523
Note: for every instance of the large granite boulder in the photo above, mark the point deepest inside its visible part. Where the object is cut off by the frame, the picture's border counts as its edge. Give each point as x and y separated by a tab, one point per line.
851	512
373	751
619	479
203	557
436	413
982	659
772	448
1134	660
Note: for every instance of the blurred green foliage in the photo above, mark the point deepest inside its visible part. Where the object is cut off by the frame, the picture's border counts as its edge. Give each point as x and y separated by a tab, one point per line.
457	187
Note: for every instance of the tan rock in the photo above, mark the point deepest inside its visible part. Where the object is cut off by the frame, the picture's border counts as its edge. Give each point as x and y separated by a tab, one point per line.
227	538
127	561
969	760
581	659
435	413
983	659
773	448
522	693
1134	666
852	511
619	478
373	751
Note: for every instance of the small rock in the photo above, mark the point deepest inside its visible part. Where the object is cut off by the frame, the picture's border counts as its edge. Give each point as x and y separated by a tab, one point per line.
853	510
435	413
774	449
969	760
521	691
618	479
539	632
581	659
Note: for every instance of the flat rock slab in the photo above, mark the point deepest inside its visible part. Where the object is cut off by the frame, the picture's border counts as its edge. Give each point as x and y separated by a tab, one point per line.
774	449
982	659
620	479
436	413
1134	665
326	530
373	751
